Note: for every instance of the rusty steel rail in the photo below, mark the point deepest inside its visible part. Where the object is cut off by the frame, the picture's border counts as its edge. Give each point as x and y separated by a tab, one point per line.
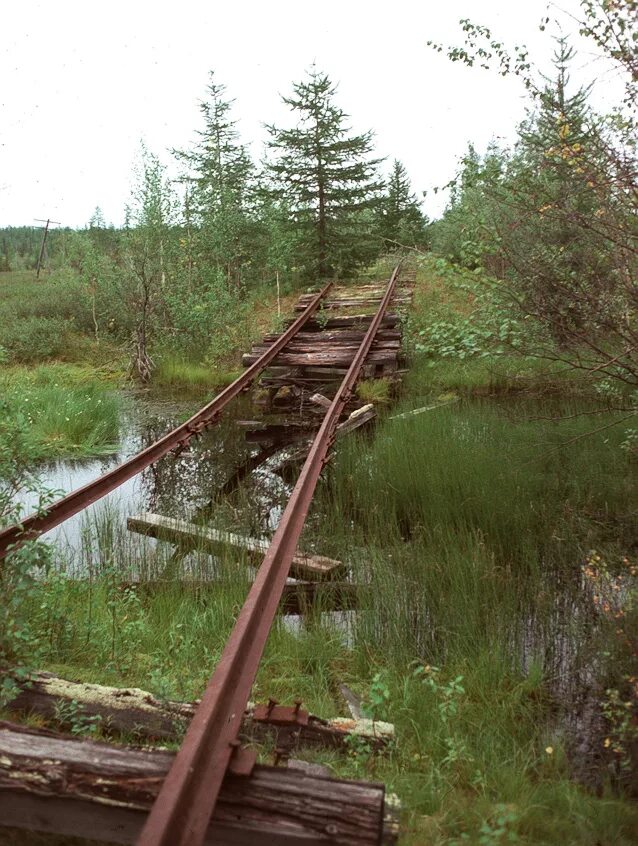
72	503
184	806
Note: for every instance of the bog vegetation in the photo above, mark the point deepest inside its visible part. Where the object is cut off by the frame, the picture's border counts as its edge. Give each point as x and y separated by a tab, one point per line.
490	519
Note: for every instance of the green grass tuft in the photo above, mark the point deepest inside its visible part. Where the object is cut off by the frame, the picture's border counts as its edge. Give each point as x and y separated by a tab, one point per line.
63	420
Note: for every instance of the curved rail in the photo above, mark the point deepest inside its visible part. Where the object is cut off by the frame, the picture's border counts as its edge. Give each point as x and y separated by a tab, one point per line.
184	806
72	503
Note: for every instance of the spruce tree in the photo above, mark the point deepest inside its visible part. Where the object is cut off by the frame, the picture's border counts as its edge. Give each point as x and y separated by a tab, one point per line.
566	264
401	221
325	177
219	175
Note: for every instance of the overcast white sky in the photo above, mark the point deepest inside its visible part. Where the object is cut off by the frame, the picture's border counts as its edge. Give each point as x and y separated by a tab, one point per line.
81	83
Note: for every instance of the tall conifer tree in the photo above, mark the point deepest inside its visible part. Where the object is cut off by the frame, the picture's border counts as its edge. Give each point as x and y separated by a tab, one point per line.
401	220
327	179
220	173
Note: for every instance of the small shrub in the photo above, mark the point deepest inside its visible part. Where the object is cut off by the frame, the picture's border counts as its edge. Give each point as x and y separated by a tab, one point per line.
34	338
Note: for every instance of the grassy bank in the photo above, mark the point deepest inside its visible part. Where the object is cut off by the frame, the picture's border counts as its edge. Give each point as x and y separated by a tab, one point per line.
63	410
55	322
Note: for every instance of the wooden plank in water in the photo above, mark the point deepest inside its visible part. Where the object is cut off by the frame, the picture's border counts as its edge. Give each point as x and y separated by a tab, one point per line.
211	540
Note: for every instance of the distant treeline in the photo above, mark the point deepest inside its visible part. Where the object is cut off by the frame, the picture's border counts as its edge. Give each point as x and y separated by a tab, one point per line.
318	204
20	246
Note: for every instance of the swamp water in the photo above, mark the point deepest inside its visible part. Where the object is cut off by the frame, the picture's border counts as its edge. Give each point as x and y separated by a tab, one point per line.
185	486
180	485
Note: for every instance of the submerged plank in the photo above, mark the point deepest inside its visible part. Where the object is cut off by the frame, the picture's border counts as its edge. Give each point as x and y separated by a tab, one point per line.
211	540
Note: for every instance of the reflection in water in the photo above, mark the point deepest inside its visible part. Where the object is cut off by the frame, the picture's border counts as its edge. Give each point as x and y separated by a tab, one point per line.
176	486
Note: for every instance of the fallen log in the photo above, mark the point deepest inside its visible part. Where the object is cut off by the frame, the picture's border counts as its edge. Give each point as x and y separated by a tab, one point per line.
137	714
211	540
56	784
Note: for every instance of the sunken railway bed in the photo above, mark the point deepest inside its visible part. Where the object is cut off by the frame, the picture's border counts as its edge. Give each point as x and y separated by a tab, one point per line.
212	790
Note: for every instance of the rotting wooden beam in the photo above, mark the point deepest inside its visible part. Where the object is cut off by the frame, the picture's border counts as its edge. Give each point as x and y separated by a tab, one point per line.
351	320
320	400
61	785
332	348
211	540
324	358
338	336
299	597
358	418
135	713
294	432
334	305
345	344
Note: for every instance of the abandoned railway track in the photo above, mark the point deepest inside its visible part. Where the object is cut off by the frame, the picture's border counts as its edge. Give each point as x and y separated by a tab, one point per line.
181	812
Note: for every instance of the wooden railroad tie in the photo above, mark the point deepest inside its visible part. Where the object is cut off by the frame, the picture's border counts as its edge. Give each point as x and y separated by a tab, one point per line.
62	785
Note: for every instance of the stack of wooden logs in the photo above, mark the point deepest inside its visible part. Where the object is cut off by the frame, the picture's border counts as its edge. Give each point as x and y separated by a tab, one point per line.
326	347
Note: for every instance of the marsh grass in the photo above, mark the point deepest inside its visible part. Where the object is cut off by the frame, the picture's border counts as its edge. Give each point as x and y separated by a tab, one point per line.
496	374
178	374
467	527
63	420
458	515
376	391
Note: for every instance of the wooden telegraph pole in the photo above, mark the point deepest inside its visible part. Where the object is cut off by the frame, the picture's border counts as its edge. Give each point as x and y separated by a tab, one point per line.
47	223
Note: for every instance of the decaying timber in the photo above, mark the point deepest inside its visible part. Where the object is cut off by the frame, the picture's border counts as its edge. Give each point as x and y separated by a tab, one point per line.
326	347
210	540
299	597
286	434
53	783
135	713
